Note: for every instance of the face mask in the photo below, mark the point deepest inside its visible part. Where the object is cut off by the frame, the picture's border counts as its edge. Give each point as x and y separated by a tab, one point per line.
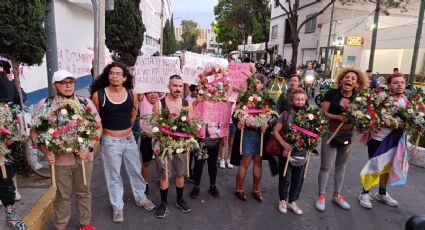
298	108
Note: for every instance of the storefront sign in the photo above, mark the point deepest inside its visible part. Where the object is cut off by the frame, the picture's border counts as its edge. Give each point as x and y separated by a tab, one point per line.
339	41
353	41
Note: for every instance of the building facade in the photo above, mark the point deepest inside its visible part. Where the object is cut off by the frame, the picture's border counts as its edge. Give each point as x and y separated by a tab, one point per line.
313	32
151	14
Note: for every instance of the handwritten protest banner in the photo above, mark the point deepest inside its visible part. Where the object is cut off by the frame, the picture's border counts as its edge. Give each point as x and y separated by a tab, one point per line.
239	72
216	116
204	61
190	74
153	73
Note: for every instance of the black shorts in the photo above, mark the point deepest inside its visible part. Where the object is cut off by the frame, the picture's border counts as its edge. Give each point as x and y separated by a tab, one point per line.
372	146
146	148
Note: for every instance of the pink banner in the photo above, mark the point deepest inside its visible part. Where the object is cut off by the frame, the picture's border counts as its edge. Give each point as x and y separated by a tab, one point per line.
254	111
239	72
176	134
305	131
216	116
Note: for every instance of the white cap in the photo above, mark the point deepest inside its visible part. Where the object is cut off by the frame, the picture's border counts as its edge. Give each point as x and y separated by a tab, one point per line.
60	75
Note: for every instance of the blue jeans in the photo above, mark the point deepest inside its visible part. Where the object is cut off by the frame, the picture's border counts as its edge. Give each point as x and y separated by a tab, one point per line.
115	151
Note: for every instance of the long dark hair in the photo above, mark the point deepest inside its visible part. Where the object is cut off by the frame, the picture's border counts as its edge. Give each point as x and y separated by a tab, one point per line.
102	81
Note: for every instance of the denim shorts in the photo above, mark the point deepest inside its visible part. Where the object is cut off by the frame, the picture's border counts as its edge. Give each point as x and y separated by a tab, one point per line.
251	142
232	130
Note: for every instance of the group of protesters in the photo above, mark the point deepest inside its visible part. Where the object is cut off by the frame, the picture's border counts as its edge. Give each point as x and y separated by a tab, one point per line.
118	107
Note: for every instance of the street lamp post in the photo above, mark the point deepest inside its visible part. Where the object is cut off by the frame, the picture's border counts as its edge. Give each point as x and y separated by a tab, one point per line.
161	45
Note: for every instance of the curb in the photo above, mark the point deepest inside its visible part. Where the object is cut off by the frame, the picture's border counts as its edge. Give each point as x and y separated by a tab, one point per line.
41	212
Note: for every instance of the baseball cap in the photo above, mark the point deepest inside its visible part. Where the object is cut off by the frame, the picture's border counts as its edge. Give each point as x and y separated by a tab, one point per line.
60	75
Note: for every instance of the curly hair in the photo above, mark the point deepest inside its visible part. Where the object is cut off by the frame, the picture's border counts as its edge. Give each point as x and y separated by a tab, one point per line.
362	78
102	81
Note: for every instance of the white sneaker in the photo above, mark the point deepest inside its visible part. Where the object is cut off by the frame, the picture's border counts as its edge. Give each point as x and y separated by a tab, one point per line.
230	166
17	195
386	199
222	164
117	216
146	204
365	200
294	207
282	206
1	203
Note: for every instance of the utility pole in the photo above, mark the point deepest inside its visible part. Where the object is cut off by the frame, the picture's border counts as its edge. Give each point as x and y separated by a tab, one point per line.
374	34
327	64
95	4
101	60
412	75
161	41
52	49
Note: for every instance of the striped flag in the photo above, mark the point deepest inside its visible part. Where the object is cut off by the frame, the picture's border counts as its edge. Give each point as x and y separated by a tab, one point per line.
390	157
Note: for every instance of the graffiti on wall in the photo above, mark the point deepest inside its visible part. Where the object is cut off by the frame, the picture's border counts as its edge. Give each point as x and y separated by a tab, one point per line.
75	61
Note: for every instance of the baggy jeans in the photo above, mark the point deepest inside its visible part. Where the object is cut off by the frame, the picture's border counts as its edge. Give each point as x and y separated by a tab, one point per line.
115	151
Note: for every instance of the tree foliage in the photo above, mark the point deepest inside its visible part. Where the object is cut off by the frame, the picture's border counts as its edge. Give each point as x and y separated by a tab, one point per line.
169	38
124	30
238	19
190	33
22	35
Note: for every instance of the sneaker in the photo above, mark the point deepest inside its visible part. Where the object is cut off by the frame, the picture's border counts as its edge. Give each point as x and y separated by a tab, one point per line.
340	201
87	227
146	204
18	196
182	205
214	191
365	200
386	199
13	219
222	164
320	203
162	210
195	192
282	206
117	216
1	203
230	166
294	207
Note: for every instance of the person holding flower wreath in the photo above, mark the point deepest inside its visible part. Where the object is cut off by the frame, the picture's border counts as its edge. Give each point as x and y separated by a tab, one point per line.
148	104
250	146
335	152
175	104
380	144
292	182
68	165
117	104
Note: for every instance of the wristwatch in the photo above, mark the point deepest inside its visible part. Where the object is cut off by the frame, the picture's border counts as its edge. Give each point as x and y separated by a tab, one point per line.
90	149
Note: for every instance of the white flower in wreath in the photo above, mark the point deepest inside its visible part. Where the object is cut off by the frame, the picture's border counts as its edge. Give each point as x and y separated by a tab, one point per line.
421	114
74	117
368	116
80	140
410	110
64	112
251	98
208	95
258	98
88	132
174	128
155	129
47	142
310	116
68	150
179	150
183	118
201	92
244	107
51	131
358	98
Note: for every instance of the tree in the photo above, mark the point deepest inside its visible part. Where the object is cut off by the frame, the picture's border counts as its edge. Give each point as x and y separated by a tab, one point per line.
22	35
291	11
190	33
173	36
167	49
124	30
238	19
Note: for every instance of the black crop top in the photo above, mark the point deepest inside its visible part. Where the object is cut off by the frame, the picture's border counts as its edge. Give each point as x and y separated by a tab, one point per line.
334	96
115	116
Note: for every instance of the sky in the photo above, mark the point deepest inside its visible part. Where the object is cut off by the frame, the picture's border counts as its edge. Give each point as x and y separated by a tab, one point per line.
200	11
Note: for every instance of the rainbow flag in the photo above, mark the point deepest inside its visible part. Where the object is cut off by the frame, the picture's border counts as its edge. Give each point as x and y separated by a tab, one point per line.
391	157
